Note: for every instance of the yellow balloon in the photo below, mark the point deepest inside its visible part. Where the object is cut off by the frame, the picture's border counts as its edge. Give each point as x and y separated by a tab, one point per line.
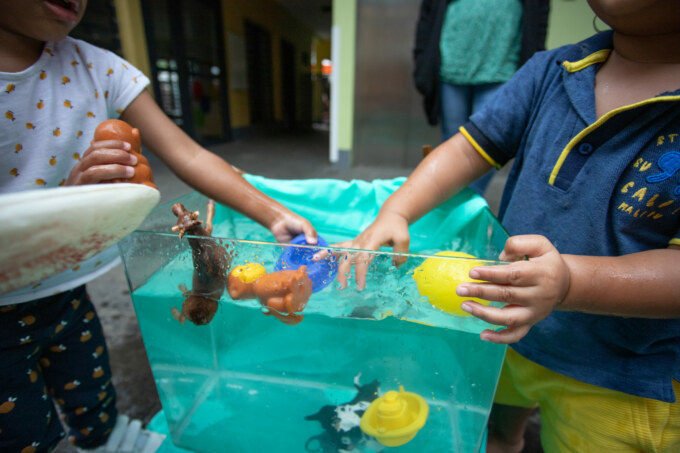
437	280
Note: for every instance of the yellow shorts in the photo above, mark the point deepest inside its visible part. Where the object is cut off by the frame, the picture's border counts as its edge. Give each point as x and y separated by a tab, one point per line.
583	418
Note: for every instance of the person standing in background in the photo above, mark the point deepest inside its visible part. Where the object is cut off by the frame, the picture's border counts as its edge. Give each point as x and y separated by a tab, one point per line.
466	49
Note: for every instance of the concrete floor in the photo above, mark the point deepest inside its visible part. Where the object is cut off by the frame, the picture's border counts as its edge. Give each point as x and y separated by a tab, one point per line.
285	156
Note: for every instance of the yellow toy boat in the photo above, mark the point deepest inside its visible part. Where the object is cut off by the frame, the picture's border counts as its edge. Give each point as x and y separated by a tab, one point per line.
395	418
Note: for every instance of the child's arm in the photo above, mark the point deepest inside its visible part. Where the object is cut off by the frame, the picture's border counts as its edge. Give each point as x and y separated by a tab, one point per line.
641	284
208	173
446	170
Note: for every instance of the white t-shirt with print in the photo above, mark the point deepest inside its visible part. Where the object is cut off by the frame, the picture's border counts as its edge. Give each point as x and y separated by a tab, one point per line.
49	114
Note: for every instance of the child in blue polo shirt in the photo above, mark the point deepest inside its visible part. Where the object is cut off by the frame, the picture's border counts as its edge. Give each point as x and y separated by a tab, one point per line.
593	199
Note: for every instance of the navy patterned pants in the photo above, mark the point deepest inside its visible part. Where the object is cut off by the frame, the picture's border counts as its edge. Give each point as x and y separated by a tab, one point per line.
53	350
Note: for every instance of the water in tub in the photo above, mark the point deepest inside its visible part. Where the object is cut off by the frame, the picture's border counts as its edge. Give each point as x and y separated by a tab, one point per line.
248	383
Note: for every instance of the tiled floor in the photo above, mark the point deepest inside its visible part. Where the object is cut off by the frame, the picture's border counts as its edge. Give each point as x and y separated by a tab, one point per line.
288	156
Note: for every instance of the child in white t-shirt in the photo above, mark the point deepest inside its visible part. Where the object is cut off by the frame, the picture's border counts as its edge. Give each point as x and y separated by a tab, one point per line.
54	91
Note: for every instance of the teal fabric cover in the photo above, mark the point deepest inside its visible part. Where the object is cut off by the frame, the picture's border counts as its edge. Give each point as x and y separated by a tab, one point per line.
340	210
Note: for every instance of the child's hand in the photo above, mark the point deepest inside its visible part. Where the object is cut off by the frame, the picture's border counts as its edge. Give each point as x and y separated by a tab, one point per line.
388	229
102	161
289	225
532	289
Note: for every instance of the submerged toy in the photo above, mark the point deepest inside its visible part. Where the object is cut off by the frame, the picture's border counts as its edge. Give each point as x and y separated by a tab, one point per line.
341	422
283	293
321	273
211	263
120	130
395	418
437	280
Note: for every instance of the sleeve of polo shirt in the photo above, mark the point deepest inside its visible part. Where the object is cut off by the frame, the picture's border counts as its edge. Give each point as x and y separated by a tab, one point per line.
496	130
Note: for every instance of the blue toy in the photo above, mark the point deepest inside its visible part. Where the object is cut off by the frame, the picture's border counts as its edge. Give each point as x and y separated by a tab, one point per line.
321	273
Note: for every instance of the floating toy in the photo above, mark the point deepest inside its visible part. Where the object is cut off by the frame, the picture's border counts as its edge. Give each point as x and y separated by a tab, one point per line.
437	280
211	262
322	273
241	280
283	293
395	418
120	130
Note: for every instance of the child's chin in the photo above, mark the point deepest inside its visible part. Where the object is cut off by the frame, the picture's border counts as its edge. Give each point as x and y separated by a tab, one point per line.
51	30
54	34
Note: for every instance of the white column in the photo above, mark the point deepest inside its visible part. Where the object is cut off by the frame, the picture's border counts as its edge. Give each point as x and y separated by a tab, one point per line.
334	153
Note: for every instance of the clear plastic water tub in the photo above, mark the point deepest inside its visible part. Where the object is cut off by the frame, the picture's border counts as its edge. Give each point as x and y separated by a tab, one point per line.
247	382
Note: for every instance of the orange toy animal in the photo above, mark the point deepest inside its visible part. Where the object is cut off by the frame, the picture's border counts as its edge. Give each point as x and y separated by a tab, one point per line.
284	293
120	130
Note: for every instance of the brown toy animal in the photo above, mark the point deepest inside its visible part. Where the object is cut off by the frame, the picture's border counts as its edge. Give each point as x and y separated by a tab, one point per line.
120	130
211	264
283	293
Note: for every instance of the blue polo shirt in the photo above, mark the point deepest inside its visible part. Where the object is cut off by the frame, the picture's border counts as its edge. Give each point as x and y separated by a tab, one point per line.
601	187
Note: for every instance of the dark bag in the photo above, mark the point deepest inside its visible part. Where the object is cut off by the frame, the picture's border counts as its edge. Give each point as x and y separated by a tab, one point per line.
534	27
426	56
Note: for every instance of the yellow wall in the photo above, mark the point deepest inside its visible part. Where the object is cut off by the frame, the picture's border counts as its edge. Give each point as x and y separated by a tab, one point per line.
265	13
132	37
281	24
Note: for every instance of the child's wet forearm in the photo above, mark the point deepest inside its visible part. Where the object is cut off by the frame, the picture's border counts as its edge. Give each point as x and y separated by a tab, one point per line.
443	173
638	285
216	178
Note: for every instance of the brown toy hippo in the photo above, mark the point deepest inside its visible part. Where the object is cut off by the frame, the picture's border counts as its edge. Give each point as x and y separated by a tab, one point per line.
120	130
